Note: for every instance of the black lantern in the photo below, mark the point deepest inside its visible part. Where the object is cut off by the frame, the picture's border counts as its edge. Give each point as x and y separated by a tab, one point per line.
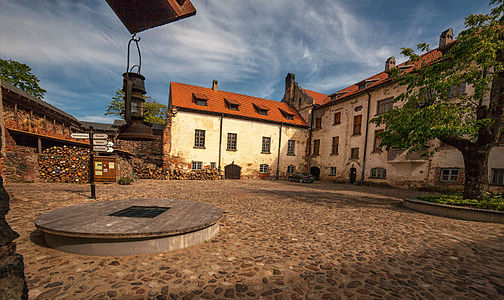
135	129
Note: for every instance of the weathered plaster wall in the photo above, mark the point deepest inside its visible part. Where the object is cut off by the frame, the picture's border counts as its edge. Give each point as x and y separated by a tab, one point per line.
249	142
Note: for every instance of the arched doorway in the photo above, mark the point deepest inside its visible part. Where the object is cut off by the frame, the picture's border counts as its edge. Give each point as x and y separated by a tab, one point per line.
353	175
232	171
315	172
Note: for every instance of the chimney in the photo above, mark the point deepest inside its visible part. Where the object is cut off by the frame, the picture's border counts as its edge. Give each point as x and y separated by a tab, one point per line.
390	64
446	38
289	88
215	85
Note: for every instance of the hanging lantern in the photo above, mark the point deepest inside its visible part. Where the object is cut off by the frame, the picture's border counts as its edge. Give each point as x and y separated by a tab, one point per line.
135	129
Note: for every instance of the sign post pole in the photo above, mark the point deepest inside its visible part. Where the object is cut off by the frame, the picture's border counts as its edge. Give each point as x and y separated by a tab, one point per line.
91	158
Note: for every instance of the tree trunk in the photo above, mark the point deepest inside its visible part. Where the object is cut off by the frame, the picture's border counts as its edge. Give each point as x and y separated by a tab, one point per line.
476	173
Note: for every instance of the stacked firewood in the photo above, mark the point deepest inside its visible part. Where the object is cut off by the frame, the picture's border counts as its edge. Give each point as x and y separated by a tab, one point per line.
64	164
149	172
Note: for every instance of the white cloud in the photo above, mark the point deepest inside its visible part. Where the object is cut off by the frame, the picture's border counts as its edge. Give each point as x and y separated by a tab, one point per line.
98	119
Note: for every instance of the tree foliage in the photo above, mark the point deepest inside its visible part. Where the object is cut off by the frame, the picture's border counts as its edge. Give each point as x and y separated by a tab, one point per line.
431	106
21	76
154	112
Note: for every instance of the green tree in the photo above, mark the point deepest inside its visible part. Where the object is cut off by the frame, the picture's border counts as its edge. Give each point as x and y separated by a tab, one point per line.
470	122
154	112
20	75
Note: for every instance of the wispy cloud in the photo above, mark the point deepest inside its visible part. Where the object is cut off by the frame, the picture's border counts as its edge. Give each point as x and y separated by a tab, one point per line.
78	48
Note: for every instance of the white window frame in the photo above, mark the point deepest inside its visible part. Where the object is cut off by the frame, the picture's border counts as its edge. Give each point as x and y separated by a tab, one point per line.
263	168
213	165
232	140
199	138
447	174
197	165
266	144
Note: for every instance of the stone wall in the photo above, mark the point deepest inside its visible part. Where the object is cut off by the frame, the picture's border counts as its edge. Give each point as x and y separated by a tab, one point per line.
20	162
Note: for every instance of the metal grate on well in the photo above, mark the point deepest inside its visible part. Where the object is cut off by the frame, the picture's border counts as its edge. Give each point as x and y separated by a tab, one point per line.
140	212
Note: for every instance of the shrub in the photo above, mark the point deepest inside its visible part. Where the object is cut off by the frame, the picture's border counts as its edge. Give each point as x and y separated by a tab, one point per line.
125	180
493	201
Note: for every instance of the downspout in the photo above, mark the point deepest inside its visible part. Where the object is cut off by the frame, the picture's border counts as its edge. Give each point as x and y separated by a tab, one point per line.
279	144
309	139
220	145
365	139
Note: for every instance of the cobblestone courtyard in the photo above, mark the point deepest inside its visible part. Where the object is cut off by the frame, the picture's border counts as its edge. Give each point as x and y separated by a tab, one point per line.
278	240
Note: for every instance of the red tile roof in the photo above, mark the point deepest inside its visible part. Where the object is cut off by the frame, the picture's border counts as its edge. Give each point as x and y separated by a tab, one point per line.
319	98
182	97
382	77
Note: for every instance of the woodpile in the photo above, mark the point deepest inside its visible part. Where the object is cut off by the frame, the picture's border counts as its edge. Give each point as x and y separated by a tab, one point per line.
64	164
152	172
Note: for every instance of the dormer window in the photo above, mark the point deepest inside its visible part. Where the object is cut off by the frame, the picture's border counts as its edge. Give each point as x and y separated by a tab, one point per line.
262	110
337	95
232	104
200	99
287	115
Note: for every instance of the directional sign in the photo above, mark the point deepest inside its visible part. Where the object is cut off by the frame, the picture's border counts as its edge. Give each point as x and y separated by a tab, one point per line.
100	148
80	135
100	142
100	136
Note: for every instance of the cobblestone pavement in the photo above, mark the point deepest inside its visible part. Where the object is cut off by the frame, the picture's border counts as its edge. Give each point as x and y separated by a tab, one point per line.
278	240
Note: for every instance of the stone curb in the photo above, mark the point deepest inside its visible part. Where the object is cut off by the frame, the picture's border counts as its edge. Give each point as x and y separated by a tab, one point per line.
456	212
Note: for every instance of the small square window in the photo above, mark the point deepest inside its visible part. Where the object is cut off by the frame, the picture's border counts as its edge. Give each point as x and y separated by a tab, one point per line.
213	165
263	168
332	171
197	165
291	169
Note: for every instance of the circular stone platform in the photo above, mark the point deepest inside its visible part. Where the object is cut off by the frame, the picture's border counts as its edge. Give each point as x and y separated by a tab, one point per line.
129	227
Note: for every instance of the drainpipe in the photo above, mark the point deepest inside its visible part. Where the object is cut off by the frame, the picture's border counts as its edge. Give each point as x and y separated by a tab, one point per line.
365	139
279	144
309	140
220	145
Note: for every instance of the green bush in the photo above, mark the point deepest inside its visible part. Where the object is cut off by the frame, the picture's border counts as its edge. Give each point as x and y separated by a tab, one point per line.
124	180
493	201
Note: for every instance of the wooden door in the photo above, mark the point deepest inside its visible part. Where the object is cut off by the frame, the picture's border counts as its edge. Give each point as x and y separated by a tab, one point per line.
232	171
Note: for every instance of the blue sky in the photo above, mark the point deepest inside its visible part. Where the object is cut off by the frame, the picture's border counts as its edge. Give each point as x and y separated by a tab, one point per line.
78	48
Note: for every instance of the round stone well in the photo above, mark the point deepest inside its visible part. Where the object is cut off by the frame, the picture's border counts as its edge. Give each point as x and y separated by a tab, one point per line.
129	227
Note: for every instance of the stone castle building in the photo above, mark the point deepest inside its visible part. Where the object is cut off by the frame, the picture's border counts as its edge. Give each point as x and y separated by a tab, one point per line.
331	135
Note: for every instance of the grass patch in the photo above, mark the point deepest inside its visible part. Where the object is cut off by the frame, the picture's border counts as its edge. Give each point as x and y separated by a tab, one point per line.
494	201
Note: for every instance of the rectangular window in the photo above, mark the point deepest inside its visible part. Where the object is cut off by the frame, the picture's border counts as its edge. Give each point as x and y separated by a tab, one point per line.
213	165
385	106
337	118
449	175
455	90
291	147
266	142
201	102
497	177
231	141
263	168
199	138
377	140
316	147
197	165
318	123
335	145
378	173
354	154
290	169
357	125
501	138
332	171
